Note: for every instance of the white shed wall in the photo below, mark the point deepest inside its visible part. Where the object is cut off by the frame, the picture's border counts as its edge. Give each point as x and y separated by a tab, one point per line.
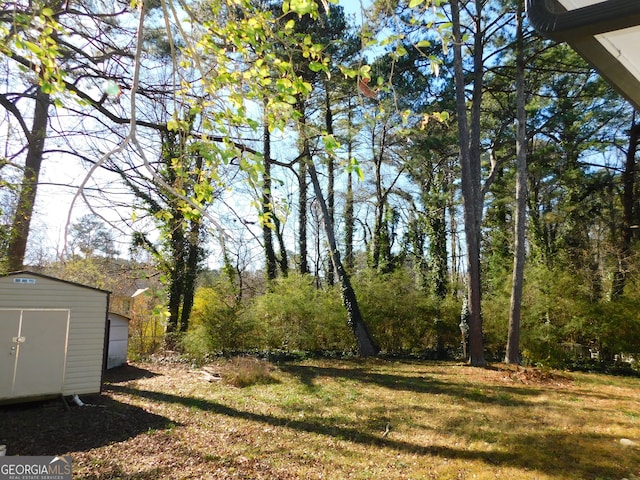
85	343
118	341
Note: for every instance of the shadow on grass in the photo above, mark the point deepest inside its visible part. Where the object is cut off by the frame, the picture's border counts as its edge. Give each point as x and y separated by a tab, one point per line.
46	428
508	395
127	373
552	450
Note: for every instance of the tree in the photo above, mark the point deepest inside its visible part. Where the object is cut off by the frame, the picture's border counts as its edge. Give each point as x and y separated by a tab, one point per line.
366	345
268	215
89	235
258	59
469	133
513	338
628	196
17	246
180	254
45	43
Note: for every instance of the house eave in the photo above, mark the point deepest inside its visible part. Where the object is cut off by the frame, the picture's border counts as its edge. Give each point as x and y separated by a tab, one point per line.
586	28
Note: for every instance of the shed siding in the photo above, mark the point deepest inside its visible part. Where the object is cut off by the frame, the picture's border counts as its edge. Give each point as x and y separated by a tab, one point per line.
118	340
88	307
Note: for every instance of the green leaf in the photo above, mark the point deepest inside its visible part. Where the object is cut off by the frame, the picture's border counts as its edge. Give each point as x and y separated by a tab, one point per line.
330	143
303	7
172	125
37	49
415	3
316	66
348	72
354	167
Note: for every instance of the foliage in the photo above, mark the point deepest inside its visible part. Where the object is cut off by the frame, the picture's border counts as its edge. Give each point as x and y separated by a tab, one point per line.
30	34
295	315
92	271
148	322
219	322
403	318
246	67
561	322
89	236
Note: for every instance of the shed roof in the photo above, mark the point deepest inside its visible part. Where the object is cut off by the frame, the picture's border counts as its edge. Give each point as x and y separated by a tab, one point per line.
114	315
606	33
41	275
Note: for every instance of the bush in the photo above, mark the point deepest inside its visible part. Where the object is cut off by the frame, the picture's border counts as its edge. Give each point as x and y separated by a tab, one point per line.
561	321
405	319
218	323
295	315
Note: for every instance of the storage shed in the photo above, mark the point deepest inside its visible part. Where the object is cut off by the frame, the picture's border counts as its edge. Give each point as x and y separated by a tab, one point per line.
118	340
52	336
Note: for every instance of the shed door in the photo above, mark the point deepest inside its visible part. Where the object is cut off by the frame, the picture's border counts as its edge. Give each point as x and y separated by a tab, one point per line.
9	328
38	348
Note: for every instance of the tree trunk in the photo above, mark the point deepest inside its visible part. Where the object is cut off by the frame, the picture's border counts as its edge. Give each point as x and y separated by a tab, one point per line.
176	276
267	210
376	237
302	197
366	345
330	176
453	237
349	224
193	254
628	197
284	257
190	275
19	234
470	170
438	242
513	338
438	235
348	207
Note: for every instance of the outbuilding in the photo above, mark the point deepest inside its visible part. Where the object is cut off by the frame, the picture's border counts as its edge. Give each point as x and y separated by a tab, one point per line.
53	336
118	340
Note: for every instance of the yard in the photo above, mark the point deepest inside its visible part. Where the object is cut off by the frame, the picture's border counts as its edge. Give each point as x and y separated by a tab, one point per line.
338	419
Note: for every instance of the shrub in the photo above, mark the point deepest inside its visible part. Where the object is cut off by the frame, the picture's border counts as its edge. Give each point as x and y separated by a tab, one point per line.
403	318
295	315
561	320
218	323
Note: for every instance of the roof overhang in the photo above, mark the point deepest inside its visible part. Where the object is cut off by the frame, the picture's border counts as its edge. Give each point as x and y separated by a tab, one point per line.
606	33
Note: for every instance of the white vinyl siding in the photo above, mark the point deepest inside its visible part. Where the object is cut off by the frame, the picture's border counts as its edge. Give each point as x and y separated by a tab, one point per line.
86	334
118	340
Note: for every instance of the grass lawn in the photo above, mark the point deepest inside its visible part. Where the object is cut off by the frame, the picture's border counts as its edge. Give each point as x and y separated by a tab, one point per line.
336	419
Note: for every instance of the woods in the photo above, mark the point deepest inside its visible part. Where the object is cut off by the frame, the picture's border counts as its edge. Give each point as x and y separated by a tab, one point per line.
420	178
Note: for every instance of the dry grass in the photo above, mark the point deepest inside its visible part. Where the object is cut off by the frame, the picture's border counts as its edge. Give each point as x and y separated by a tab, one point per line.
345	419
240	372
